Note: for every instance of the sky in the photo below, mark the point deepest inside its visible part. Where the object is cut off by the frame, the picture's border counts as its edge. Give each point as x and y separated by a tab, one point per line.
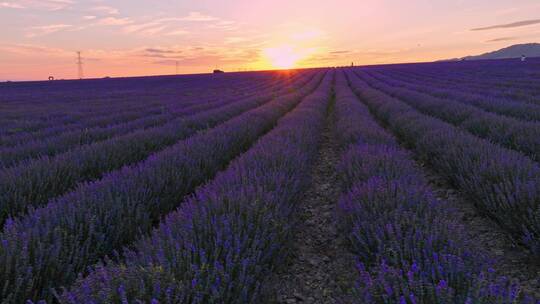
40	38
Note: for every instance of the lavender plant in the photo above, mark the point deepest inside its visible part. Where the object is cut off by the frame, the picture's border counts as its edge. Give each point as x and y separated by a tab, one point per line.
51	245
501	183
409	246
221	245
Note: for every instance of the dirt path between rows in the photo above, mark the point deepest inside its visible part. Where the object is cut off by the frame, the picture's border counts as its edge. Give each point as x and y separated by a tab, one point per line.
321	268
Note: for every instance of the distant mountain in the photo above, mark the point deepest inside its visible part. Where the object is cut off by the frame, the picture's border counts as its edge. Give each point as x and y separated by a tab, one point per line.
514	51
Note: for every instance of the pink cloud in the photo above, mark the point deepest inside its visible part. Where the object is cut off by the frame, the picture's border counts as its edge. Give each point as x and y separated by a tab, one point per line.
114	21
109	10
49	5
10	5
198	17
46	29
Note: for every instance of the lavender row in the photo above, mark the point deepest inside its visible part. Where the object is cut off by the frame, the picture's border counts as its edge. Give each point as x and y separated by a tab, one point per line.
96	116
93	116
523	136
11	156
500	74
51	245
57	127
503	184
505	107
223	243
78	93
67	140
34	182
120	104
521	97
145	107
410	247
30	99
508	89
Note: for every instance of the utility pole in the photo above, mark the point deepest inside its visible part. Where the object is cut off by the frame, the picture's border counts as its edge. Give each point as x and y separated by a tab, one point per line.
80	65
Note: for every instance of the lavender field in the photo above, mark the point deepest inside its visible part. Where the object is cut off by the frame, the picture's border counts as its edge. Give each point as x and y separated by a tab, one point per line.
408	183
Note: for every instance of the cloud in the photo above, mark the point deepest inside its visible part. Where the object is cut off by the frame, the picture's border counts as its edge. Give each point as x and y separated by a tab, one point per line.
109	10
49	5
155	27
166	62
177	33
508	25
46	29
168	26
223	25
339	52
150	59
168	53
114	21
162	51
198	17
28	49
235	39
89	17
10	5
152	30
141	26
197	55
502	39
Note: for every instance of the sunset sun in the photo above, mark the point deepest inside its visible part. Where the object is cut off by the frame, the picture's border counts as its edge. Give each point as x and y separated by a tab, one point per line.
283	57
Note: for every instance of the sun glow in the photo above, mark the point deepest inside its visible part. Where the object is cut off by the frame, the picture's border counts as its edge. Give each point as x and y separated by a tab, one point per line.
283	57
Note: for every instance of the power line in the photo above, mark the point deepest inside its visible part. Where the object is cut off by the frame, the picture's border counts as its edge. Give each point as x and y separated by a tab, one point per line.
80	65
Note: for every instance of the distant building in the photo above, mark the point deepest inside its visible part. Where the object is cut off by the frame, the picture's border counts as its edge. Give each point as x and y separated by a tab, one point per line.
216	71
523	58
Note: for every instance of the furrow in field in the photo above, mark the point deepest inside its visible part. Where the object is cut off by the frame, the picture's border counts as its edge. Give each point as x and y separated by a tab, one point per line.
320	269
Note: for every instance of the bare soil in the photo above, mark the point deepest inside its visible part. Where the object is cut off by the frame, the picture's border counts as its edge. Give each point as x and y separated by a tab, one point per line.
321	268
